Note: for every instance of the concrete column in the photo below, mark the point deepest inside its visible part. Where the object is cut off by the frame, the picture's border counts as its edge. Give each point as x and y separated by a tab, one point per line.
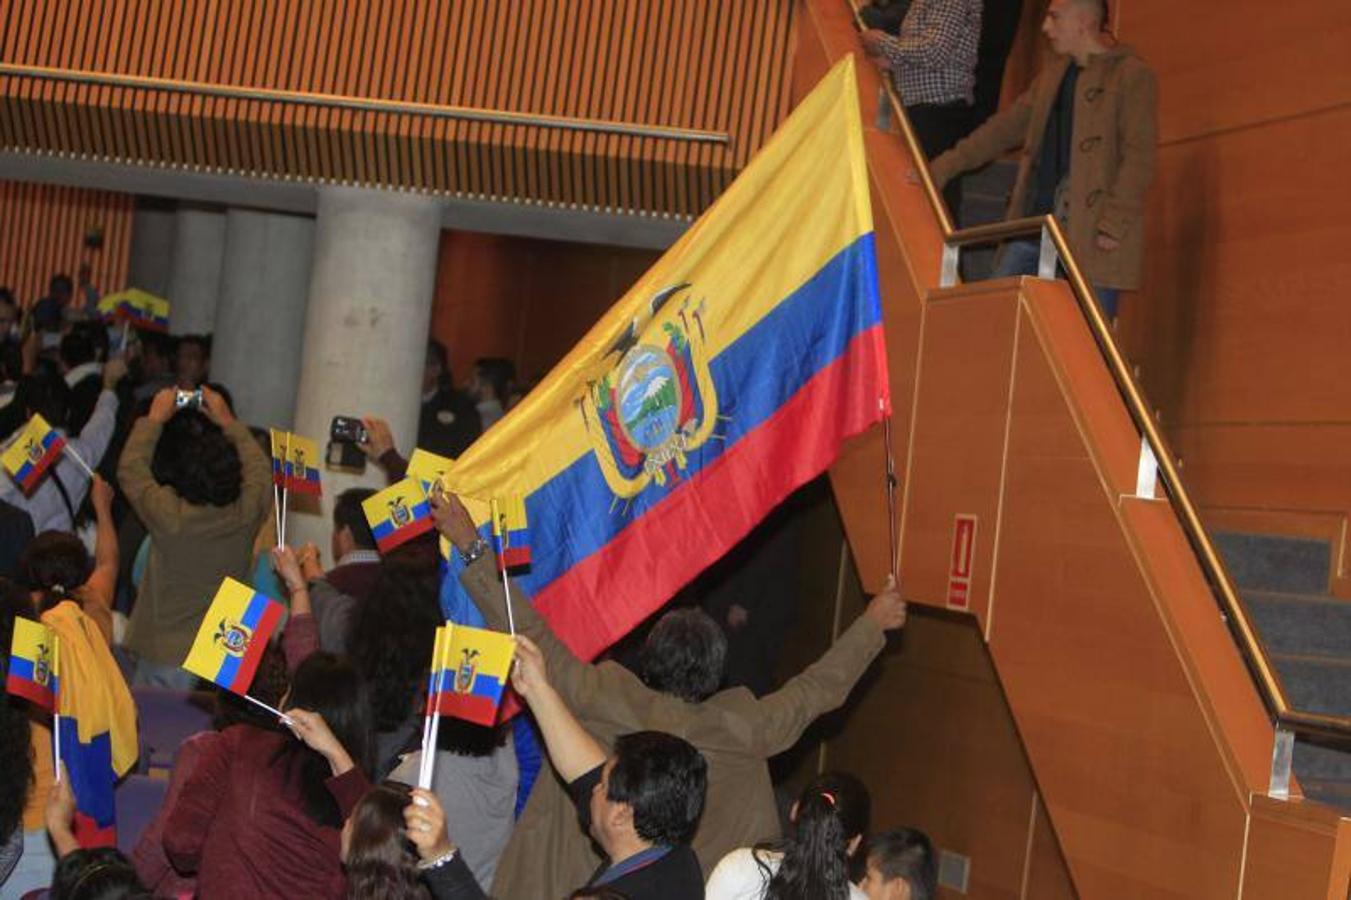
194	277
152	246
366	326
260	320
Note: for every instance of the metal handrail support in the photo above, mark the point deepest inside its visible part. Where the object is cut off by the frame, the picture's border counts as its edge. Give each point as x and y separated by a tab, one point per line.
1288	720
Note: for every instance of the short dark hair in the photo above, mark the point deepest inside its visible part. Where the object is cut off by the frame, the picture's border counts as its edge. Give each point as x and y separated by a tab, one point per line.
663	779
500	373
347	513
97	873
906	853
684	655
46	394
196	459
78	347
7	297
60	282
202	342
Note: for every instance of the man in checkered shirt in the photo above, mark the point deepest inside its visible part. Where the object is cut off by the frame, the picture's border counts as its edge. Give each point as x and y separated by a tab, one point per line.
933	65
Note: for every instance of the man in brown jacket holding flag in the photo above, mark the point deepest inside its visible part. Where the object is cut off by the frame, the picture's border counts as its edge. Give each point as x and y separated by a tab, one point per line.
1088	135
548	854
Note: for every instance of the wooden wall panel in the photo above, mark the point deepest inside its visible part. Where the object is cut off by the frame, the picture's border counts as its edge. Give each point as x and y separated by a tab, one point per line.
525	299
43	229
704	64
1242	327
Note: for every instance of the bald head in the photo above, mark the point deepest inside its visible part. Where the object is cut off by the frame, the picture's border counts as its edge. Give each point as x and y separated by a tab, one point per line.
1074	27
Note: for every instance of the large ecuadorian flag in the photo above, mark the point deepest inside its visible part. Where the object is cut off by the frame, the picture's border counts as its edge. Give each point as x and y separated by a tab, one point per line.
727	376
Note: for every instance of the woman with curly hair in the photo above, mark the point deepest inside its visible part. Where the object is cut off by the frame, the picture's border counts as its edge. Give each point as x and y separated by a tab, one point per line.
829	820
201	485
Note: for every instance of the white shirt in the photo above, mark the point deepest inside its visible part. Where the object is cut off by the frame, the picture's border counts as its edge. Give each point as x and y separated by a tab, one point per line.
738	876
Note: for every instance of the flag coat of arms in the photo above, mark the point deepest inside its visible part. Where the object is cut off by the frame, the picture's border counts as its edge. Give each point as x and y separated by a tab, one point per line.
511	533
398	514
301	468
233	636
278	440
428	467
32	664
730	374
34	449
472	672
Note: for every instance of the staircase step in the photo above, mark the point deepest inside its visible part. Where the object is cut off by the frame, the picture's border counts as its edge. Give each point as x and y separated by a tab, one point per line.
1320	684
1276	563
1302	624
1323	762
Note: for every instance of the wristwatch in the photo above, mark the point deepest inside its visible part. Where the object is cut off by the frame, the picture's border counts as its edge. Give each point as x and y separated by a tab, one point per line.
476	549
440	861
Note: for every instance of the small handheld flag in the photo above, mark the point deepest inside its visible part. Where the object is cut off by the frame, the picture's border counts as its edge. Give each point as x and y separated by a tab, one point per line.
147	311
32	663
233	636
302	457
113	307
278	455
475	666
511	533
428	467
398	514
36	447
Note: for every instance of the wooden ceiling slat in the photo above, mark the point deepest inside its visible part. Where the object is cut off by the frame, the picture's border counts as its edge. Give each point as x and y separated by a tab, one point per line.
699	63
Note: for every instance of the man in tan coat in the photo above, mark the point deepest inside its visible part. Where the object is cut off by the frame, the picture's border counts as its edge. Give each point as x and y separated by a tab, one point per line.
548	854
1088	132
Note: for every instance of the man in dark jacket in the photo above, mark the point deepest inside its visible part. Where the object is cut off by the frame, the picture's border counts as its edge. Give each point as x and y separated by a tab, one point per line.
449	421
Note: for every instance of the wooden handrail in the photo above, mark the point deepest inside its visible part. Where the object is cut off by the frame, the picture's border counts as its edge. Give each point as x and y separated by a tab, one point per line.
364	104
1249	643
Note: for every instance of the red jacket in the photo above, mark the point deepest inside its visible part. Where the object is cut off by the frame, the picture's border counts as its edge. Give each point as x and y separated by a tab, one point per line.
242	827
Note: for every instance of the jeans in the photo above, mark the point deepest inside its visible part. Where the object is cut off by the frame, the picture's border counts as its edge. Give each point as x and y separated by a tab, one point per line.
1023	258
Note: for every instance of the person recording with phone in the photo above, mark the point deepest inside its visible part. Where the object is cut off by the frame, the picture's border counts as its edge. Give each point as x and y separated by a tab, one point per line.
199	481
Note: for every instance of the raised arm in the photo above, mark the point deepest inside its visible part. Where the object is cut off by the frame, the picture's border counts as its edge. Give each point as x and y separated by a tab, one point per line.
779	719
999	134
574	680
300	637
99	589
159	506
256	468
93	440
572	750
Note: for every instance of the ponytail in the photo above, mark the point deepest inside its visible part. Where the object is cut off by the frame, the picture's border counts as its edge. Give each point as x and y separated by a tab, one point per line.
830	813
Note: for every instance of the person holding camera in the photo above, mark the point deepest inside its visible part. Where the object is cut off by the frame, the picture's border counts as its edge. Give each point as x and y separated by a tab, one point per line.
198	480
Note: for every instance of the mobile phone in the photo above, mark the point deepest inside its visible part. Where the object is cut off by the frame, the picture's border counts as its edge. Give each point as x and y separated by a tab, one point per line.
347	430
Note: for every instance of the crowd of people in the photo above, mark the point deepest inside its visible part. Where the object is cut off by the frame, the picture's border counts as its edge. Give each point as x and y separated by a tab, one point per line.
659	787
660	784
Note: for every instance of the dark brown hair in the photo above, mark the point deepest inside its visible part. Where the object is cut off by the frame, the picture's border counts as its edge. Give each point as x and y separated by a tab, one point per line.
380	864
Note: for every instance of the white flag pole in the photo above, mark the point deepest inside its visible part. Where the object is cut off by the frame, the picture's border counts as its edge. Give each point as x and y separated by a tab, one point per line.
75	456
